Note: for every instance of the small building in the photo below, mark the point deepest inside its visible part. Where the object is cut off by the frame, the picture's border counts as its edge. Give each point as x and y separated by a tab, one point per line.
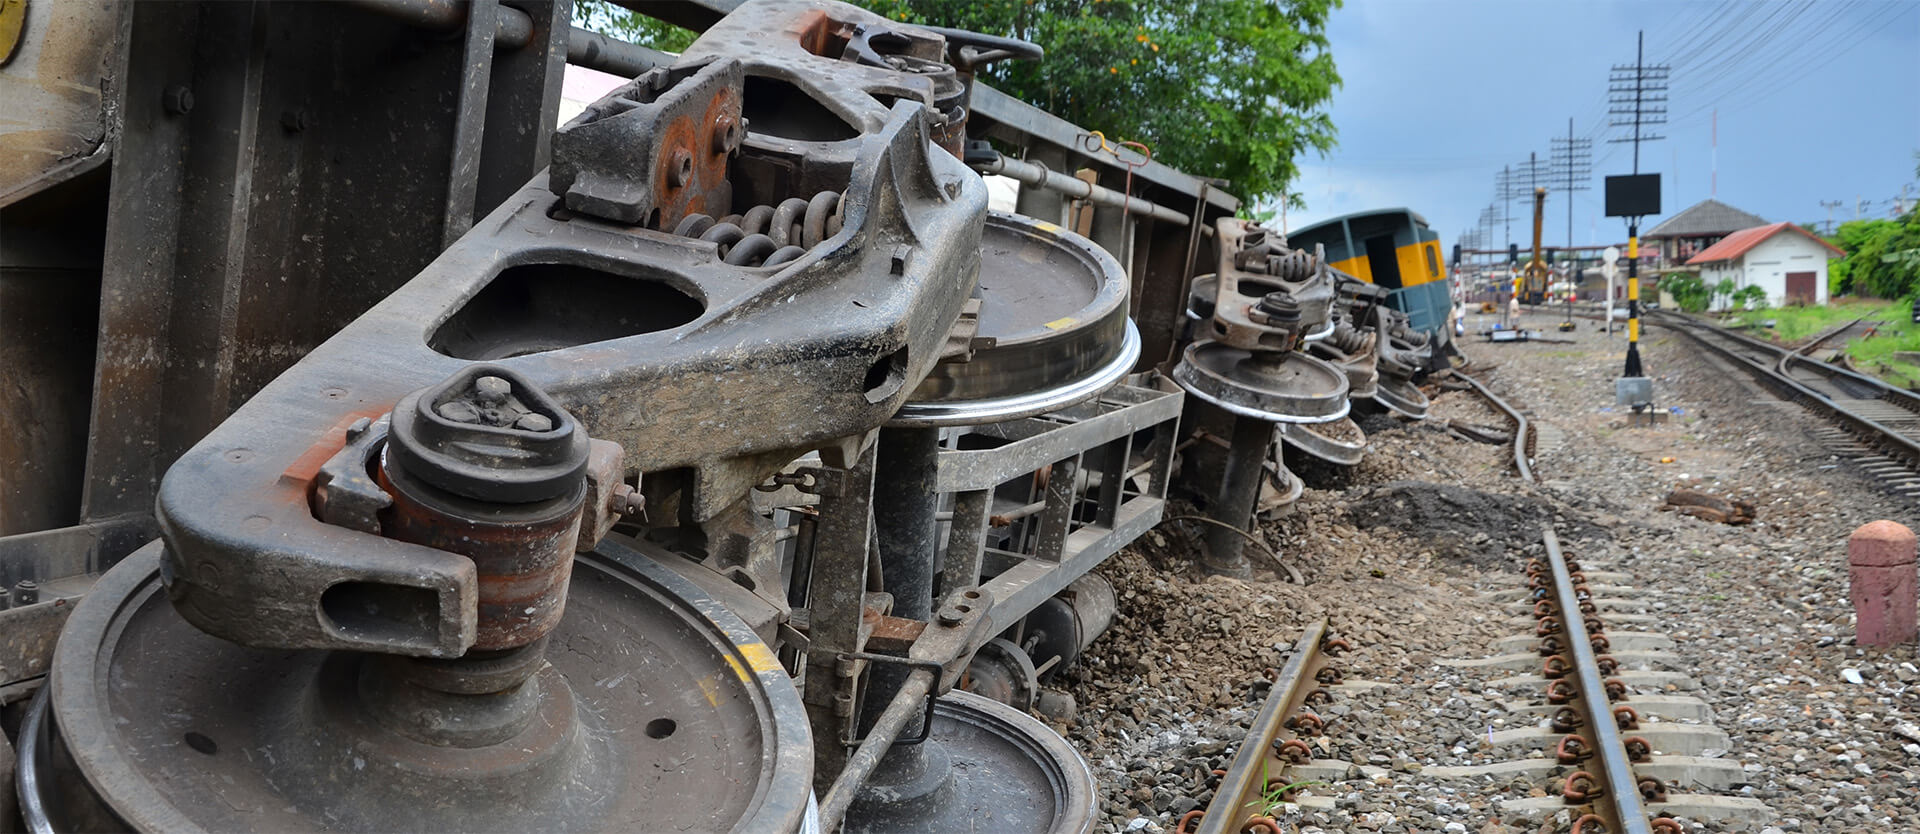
1786	260
1675	240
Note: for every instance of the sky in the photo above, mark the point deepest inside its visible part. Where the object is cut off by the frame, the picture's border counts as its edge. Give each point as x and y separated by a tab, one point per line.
1817	100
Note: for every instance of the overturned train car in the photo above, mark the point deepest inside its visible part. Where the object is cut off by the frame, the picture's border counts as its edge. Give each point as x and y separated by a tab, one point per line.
716	461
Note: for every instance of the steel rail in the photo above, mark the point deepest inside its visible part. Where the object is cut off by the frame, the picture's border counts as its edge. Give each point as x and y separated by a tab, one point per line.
1821	339
1880	435
1897	396
1522	429
1242	792
1621	794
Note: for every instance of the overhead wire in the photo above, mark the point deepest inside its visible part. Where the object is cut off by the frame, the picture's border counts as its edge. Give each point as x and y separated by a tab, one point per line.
1728	55
1807	55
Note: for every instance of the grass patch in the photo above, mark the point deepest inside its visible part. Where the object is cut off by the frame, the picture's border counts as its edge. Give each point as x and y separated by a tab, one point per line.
1794	324
1876	354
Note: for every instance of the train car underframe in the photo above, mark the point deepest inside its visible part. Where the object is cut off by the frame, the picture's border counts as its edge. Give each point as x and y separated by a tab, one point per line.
717	461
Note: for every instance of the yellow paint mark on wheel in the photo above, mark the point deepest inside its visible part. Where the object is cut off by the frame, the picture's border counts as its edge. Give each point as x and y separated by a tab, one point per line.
1062	324
13	28
760	658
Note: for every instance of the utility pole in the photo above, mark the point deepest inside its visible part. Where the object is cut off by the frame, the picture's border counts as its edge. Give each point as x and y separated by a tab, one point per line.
1506	202
1830	206
1573	170
1486	232
1517	182
1637	99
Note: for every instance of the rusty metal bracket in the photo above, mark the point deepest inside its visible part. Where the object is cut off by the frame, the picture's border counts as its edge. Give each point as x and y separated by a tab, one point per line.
344	491
656	149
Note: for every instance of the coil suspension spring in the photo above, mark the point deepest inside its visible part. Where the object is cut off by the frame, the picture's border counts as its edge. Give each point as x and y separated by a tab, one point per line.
1347	338
768	235
1294	266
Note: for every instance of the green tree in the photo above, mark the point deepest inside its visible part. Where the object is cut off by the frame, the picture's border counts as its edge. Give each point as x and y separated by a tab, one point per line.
1231	89
608	19
1879	259
1887	265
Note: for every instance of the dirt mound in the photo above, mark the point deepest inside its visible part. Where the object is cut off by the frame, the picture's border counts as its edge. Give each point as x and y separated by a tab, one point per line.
1456	522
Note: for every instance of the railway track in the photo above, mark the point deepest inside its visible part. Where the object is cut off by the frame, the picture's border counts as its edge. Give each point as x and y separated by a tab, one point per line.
1276	756
1572	640
1596	718
1524	436
1838	336
1596	715
1875	424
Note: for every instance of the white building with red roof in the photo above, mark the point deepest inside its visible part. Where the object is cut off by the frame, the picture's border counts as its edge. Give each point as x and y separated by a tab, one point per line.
1786	260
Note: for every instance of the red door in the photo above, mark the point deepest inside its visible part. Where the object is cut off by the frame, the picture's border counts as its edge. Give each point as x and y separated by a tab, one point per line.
1800	288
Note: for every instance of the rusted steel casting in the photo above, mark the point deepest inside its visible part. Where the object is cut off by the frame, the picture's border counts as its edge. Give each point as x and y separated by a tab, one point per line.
1187	819
1581	787
1263	823
1626	718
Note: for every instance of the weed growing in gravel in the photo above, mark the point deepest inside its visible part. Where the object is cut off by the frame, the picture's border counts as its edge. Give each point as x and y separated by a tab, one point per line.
1275	796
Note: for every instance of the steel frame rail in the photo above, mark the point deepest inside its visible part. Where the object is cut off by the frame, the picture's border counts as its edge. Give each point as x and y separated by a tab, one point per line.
1896	396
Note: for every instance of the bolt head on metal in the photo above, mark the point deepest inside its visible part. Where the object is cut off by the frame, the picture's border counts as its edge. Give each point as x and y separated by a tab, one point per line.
178	100
492	390
680	170
626	500
1279	305
726	134
459	411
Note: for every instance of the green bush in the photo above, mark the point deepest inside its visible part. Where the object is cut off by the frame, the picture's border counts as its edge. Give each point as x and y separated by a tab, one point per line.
1687	290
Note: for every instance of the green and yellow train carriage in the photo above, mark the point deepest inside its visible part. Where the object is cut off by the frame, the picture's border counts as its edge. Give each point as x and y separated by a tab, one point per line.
1391	248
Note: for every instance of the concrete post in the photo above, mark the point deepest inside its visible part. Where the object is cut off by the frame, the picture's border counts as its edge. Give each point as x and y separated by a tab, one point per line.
1881	572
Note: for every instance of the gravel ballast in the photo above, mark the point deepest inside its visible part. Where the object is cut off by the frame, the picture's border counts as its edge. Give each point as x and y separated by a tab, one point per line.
1401	551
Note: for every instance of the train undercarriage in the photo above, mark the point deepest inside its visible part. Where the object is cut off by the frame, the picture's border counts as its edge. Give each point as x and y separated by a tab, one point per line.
715	461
